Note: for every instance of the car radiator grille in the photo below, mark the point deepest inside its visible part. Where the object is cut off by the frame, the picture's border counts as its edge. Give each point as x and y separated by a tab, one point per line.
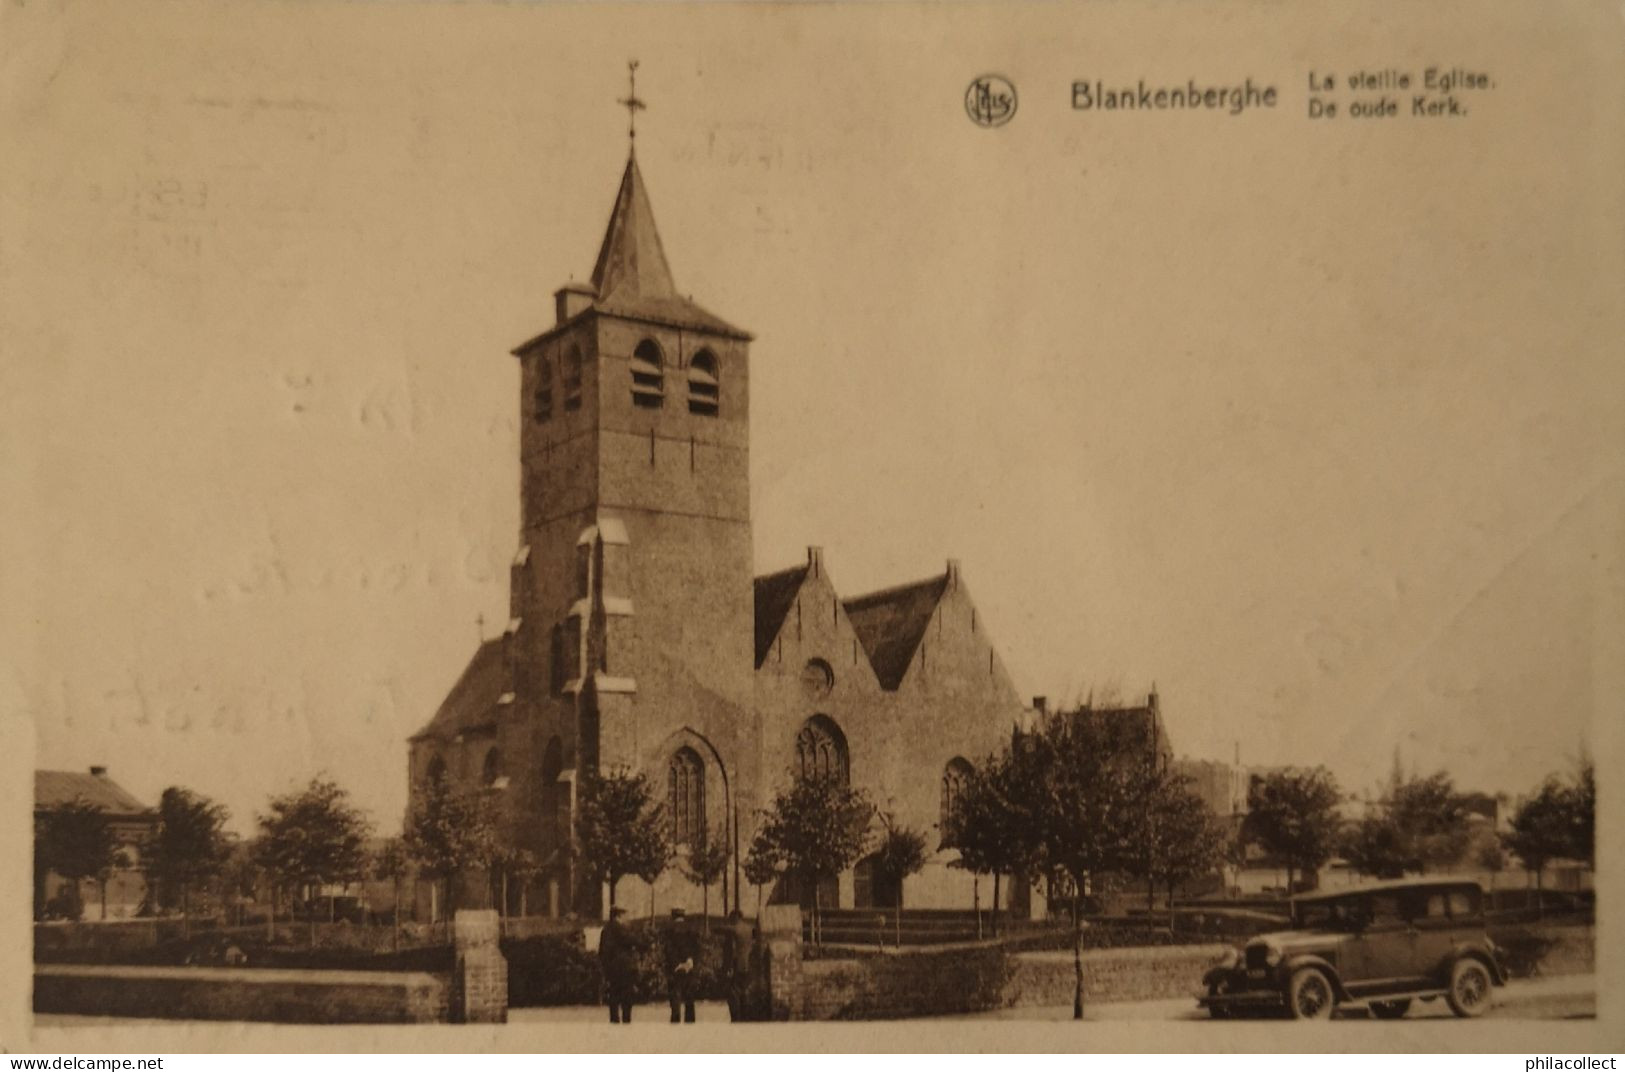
1256	955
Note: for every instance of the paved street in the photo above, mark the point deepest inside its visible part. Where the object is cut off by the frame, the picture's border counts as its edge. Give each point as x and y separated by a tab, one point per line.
1560	997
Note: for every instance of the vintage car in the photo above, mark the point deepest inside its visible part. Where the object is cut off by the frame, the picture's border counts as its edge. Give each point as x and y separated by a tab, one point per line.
1382	945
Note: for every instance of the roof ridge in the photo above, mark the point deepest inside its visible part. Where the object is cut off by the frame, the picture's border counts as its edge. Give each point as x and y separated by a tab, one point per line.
896	589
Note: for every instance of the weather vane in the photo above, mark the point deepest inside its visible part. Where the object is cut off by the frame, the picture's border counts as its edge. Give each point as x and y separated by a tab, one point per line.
631	102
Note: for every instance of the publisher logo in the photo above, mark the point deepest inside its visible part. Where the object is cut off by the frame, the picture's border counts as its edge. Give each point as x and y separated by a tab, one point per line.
990	101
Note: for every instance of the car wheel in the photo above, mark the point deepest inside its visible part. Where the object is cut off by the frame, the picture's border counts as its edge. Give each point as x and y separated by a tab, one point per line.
1470	983
1310	996
1215	1011
1390	1010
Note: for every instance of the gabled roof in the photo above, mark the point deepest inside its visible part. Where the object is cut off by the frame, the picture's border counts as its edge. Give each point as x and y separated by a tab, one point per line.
472	701
891	623
52	789
775	595
631	277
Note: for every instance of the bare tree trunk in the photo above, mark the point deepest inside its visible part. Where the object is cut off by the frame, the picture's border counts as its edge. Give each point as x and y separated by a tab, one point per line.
705	904
897	916
995	904
815	935
270	913
103	884
976	901
1077	949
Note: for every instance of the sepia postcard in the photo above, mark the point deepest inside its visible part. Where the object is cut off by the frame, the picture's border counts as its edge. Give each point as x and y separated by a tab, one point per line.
859	526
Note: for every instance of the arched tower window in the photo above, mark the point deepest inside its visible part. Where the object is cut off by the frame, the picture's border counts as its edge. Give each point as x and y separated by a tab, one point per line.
437	770
685	789
571	376
544	390
821	750
493	767
648	378
704	389
956	777
552	761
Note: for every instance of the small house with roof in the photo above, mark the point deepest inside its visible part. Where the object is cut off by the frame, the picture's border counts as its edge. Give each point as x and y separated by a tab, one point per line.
133	825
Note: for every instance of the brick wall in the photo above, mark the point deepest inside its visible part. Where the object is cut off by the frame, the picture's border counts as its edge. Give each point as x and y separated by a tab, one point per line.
264	994
975	978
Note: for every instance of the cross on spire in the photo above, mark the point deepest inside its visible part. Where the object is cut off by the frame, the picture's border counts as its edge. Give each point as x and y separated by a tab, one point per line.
631	102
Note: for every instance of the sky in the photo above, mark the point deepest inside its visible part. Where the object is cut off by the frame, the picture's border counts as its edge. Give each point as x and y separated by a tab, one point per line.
1315	426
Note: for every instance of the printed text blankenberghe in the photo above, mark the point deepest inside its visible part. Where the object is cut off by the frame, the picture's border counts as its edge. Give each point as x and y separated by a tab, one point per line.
1190	95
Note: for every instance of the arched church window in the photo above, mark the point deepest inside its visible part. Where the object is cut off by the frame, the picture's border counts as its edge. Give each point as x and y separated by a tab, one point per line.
493	767
956	778
821	750
685	788
552	761
437	770
648	378
544	390
704	389
572	379
558	672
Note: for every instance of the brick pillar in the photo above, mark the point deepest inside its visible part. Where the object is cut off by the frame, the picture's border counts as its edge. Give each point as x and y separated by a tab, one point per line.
781	933
479	982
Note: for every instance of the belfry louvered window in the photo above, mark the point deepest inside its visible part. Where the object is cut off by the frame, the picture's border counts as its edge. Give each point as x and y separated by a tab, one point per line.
685	796
648	379
572	379
544	390
704	391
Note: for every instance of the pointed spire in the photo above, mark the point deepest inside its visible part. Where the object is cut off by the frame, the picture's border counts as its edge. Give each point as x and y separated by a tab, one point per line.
631	263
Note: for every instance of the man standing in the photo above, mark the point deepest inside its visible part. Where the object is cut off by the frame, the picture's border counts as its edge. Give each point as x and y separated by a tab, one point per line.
682	953
737	942
616	958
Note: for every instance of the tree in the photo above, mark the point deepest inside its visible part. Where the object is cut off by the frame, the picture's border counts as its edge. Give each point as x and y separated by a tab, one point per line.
1557	821
391	863
450	832
901	853
982	825
705	864
1492	858
1183	837
189	847
314	837
763	867
621	829
817	827
523	865
1582	816
1431	821
77	842
1292	814
1079	797
240	875
1375	847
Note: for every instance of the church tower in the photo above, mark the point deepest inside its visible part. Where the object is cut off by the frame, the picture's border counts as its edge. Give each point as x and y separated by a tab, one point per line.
632	592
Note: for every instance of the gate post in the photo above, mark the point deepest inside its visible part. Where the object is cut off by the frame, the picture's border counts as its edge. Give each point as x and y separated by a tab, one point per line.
479	982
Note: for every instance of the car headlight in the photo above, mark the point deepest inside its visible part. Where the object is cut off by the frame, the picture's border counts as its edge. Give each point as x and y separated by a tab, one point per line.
1228	959
1272	955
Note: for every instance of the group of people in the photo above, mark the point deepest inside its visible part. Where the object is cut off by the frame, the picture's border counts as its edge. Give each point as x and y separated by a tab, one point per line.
742	966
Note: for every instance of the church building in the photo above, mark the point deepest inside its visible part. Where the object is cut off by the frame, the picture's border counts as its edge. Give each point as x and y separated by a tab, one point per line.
639	639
